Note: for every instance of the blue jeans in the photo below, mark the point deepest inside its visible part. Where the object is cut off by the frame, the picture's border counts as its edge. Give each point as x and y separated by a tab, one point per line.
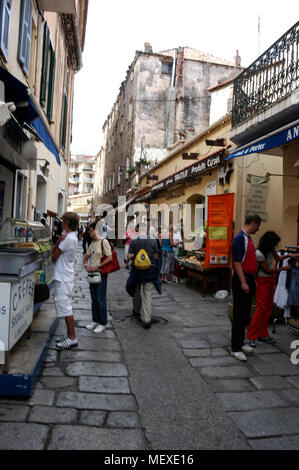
98	301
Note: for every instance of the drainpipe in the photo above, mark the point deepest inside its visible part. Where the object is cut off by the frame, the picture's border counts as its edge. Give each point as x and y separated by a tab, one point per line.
173	69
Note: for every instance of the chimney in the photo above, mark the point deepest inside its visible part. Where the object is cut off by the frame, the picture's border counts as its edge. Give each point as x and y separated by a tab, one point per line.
237	59
148	48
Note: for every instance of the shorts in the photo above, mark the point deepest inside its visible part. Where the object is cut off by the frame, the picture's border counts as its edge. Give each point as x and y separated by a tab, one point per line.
63	298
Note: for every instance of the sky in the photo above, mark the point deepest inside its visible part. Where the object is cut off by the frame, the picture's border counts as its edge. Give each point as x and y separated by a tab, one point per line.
116	29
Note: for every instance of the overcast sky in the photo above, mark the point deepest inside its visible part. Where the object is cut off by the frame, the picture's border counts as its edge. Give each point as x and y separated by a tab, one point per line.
117	28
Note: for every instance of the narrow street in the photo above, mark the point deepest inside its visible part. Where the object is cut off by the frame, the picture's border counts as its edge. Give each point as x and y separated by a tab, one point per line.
172	387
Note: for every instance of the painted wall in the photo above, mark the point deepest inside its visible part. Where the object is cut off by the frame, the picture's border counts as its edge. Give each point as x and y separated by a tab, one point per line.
290	195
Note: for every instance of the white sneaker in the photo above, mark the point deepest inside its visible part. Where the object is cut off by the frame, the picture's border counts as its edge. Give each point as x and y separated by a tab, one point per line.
247	349
239	355
91	326
99	329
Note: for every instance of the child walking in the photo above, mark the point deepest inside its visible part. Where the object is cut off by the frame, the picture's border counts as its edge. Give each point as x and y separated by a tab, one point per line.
64	253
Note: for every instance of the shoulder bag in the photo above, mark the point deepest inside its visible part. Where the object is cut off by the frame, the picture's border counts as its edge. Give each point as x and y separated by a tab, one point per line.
113	265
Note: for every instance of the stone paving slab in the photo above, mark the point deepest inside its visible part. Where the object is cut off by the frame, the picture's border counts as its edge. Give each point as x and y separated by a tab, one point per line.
230	385
87	401
212	361
58	382
50	415
226	371
96	368
270	382
243	401
93	438
104	384
292	396
92	418
122	419
209	352
13	412
283	369
23	436
263	423
100	356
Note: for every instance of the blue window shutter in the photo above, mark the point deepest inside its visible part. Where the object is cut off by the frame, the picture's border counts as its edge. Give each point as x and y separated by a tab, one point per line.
25	35
5	15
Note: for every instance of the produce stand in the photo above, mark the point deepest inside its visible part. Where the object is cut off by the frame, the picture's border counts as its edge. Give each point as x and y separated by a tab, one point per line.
25	264
195	270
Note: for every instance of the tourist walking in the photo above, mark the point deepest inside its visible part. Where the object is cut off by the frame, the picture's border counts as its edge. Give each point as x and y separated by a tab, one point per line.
93	262
167	254
63	257
243	284
141	282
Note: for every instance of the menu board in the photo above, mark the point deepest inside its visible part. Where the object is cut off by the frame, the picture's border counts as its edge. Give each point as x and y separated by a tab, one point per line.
219	230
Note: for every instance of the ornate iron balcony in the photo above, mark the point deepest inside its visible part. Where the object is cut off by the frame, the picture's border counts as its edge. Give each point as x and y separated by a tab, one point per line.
271	77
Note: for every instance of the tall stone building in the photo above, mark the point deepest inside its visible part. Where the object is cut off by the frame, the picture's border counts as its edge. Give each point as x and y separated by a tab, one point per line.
163	100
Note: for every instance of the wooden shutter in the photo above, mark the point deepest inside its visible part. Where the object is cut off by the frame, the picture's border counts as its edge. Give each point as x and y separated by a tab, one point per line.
25	35
5	16
51	84
64	121
43	90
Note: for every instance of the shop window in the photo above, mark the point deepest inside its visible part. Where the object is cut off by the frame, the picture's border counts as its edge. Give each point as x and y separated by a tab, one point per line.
48	74
25	35
5	16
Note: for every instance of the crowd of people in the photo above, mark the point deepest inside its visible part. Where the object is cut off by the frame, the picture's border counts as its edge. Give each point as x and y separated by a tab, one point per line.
149	255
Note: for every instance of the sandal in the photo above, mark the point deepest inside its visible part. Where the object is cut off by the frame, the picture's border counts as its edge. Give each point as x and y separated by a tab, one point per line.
268	340
66	343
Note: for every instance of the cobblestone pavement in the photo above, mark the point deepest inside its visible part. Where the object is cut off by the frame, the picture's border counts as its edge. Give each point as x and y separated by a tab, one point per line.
174	386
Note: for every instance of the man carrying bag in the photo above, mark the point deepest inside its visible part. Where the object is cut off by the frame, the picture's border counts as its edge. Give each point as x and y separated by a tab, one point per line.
144	275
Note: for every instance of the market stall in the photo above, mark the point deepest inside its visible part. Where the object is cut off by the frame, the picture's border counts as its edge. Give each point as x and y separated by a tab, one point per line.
25	276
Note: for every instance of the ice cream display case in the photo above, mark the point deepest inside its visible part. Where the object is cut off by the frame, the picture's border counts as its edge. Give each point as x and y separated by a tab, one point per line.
25	264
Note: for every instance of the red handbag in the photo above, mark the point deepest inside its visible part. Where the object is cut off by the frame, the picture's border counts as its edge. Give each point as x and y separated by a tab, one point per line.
113	265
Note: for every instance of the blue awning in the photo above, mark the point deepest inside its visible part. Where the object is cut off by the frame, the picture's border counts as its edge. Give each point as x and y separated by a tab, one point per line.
281	136
17	92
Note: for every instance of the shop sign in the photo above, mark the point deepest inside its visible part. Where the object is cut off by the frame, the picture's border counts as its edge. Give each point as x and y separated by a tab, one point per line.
21	307
192	170
257	196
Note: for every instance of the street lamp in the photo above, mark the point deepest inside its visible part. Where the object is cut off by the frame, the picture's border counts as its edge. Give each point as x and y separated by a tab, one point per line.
266	178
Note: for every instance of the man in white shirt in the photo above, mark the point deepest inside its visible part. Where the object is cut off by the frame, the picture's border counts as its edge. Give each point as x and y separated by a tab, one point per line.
64	254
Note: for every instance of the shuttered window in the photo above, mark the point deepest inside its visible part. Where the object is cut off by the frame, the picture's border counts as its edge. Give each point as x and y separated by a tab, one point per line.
5	16
64	120
25	35
48	74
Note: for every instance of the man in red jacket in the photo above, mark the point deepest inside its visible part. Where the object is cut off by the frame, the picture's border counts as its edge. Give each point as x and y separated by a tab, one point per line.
243	284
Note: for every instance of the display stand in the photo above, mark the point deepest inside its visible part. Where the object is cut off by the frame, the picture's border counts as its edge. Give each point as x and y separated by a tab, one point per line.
27	357
25	263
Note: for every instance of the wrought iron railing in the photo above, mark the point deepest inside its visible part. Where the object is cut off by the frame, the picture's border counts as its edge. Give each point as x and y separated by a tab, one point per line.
274	75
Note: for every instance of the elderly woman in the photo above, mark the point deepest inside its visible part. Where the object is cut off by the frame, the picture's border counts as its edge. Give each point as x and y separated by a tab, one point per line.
98	249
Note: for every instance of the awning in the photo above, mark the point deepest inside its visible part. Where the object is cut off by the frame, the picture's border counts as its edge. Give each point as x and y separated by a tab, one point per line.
26	111
280	136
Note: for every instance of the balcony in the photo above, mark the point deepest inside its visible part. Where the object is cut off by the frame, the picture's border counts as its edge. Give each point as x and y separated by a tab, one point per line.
60	6
266	94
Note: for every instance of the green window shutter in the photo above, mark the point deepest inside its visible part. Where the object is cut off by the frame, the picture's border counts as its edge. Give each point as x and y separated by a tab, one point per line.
64	121
43	89
51	84
25	35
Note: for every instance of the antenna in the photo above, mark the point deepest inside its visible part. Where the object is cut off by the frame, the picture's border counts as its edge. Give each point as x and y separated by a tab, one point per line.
258	34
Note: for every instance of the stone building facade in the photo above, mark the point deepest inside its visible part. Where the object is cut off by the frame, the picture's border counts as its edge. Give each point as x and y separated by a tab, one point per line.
163	100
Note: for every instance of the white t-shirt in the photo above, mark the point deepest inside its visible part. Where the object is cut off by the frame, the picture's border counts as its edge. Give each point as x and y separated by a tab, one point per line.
64	266
269	260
